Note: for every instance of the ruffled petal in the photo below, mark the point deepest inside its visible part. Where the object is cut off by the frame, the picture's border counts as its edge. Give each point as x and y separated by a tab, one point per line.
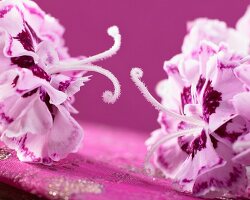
30	82
243	73
169	156
18	33
38	138
216	96
216	32
25	25
241	103
69	85
28	133
202	157
29	147
243	24
228	179
47	54
46	27
66	135
34	119
242	148
204	29
233	129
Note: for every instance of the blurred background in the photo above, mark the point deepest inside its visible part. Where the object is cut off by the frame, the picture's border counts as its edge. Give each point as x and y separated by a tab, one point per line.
152	31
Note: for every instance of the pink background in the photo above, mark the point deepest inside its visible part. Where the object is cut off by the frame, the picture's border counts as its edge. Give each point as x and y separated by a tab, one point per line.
152	31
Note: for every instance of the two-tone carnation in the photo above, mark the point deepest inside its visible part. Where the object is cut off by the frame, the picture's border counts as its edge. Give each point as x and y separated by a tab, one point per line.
203	143
38	81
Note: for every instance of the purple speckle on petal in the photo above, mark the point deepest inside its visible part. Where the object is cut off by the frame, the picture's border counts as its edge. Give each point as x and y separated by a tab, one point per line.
9	50
6	118
23	61
46	98
34	11
199	143
5	10
39	72
46	160
211	100
182	125
234	175
28	62
15	81
200	84
186	97
26	40
191	147
162	160
232	136
25	151
186	181
222	65
28	94
33	33
64	85
214	141
208	49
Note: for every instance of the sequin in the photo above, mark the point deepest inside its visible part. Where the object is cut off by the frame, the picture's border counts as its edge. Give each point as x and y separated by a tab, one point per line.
62	188
4	154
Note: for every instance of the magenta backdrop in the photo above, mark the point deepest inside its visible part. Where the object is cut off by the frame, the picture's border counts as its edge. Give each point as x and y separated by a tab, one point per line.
152	31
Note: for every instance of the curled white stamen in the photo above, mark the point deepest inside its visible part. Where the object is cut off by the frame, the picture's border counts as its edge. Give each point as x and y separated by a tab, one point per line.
108	96
148	167
136	74
114	33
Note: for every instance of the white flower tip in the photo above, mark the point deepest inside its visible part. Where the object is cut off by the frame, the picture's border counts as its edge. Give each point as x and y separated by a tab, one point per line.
136	73
109	97
113	30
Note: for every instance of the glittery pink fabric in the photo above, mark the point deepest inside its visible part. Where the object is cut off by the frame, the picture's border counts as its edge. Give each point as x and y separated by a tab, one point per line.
109	164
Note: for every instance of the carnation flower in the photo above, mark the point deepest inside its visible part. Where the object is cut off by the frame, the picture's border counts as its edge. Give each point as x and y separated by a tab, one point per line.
216	32
243	23
203	143
38	81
